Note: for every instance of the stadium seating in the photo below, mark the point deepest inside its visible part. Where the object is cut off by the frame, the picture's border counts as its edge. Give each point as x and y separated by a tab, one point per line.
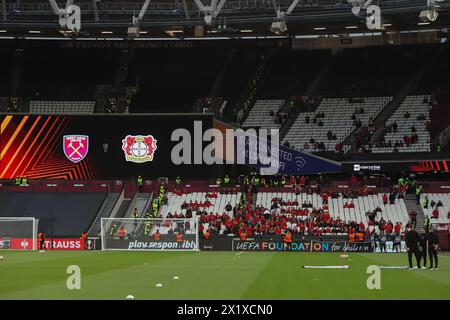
259	114
415	106
338	113
218	204
61	107
443	211
395	213
72	212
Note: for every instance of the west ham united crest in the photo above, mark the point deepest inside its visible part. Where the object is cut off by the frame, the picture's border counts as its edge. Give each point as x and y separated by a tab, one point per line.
139	148
75	147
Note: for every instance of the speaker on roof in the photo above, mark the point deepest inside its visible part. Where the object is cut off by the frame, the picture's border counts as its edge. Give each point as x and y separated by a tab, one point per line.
428	15
134	32
199	31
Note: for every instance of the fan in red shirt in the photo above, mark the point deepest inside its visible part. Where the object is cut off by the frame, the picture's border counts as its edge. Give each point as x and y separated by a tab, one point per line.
435	214
361	226
385	199
397	228
388	228
302	181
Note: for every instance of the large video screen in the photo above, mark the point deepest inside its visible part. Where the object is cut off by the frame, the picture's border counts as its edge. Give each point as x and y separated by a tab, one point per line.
95	146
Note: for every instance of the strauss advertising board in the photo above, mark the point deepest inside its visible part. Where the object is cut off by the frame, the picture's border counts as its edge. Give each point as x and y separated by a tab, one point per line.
27	244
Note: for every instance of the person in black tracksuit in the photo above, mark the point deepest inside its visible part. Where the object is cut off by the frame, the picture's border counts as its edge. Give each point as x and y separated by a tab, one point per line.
382	241
413	244
423	248
433	243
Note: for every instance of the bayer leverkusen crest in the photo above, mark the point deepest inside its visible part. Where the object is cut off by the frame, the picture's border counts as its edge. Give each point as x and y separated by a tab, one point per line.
139	148
75	147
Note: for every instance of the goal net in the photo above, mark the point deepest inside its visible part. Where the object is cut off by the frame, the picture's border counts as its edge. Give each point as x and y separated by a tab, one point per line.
150	234
18	233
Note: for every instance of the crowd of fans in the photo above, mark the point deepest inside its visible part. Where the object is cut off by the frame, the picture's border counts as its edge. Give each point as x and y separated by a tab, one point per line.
302	219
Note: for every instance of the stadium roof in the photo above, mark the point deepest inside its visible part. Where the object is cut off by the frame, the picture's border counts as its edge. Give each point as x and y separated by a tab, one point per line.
237	17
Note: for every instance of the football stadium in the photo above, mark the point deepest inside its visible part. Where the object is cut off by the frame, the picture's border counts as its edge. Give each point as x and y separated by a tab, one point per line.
224	150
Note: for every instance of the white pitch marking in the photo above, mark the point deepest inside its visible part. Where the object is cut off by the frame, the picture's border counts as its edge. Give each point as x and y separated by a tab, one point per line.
158	285
239	253
326	267
176	277
393	267
130	296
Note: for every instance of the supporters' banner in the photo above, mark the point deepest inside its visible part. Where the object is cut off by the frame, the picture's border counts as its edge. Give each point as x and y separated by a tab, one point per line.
390	247
64	244
301	246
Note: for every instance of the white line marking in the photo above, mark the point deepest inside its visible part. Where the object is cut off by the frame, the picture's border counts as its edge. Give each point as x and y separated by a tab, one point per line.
239	253
393	267
326	267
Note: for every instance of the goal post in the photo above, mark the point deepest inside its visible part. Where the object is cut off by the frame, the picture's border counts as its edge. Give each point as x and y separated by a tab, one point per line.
18	233
140	234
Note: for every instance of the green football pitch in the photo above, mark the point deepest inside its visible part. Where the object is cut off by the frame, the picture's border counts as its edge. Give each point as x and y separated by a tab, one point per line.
215	275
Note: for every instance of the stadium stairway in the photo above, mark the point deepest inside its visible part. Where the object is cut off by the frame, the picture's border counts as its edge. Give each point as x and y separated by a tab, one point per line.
123	208
140	201
411	205
104	212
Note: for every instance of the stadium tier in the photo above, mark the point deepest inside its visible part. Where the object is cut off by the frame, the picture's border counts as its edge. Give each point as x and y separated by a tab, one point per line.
224	211
332	122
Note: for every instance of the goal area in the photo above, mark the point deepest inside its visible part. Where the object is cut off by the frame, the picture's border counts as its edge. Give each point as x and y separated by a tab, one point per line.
18	233
150	234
